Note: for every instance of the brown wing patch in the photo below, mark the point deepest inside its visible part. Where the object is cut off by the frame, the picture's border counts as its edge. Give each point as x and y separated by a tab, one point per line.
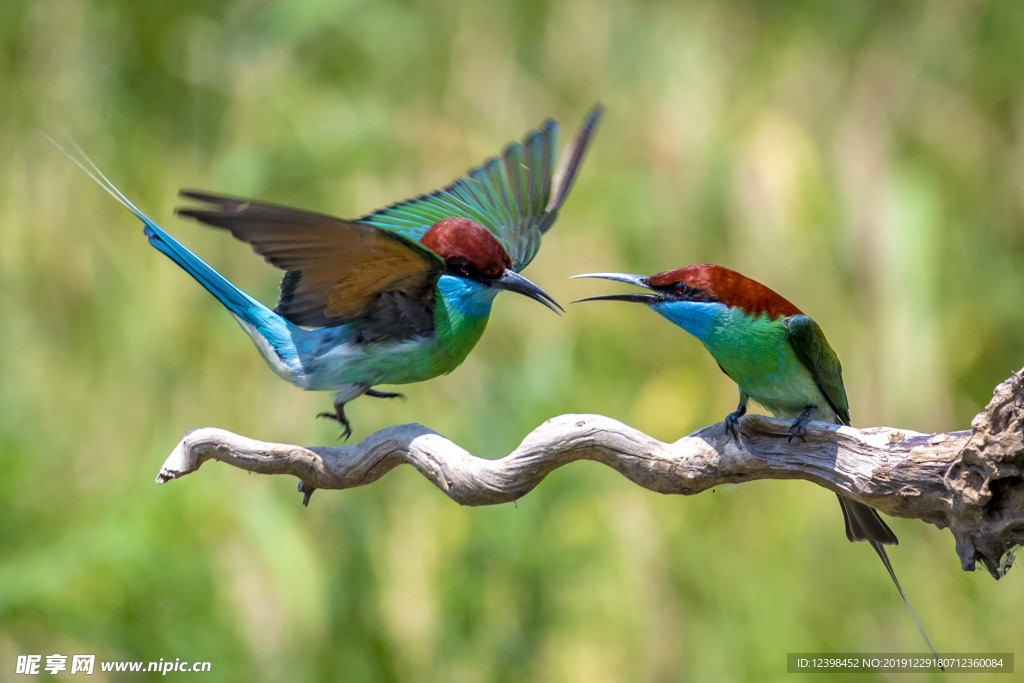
717	283
337	269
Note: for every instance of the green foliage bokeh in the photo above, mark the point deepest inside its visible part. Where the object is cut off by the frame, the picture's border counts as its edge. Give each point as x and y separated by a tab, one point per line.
864	159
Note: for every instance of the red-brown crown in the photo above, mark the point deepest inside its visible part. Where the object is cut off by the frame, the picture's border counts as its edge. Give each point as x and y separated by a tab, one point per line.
462	241
715	283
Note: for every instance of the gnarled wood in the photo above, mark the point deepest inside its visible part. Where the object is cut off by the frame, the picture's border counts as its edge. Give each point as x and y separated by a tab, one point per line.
970	481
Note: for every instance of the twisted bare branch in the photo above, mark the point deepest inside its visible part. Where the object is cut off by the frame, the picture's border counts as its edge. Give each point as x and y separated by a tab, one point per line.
970	481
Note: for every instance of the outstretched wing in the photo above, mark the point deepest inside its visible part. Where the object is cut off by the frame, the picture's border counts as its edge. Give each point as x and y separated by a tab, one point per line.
337	271
516	195
814	352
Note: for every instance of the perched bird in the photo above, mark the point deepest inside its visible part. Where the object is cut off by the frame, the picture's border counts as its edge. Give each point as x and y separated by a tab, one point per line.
400	295
776	355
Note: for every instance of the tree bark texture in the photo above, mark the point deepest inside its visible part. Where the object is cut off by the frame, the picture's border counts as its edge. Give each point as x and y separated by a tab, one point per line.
970	481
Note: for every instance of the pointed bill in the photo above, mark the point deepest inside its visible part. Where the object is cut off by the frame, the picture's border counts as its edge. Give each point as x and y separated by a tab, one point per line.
638	280
512	281
631	298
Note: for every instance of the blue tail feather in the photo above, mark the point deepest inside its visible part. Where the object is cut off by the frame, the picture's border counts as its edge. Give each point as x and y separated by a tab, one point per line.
272	334
234	299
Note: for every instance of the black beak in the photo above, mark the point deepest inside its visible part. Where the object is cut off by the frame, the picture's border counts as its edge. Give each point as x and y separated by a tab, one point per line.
514	282
638	280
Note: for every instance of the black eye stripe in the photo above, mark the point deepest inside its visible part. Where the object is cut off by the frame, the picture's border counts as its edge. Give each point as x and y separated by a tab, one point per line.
463	269
685	291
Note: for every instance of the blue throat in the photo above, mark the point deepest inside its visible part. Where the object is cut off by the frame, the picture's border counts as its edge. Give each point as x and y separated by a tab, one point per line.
468	297
696	317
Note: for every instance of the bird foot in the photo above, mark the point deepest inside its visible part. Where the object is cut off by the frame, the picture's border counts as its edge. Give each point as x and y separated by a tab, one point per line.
732	421
800	425
339	415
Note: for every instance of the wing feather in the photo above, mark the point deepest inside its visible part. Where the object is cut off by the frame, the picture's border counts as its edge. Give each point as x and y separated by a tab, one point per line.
516	195
817	355
337	271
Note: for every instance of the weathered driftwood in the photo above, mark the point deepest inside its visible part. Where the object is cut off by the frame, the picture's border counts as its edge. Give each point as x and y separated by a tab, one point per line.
970	481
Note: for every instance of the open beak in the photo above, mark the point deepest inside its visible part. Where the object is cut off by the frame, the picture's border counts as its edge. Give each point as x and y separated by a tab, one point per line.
638	280
514	282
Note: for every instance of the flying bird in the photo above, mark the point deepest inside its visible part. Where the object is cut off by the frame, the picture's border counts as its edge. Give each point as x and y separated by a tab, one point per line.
777	356
400	295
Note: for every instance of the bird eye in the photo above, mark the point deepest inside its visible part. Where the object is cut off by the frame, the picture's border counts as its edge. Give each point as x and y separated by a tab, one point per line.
680	288
464	269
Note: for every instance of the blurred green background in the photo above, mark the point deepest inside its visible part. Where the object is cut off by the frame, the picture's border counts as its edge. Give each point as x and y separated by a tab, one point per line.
865	159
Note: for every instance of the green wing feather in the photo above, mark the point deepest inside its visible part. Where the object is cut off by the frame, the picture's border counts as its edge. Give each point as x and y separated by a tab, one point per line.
863	523
516	195
814	352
